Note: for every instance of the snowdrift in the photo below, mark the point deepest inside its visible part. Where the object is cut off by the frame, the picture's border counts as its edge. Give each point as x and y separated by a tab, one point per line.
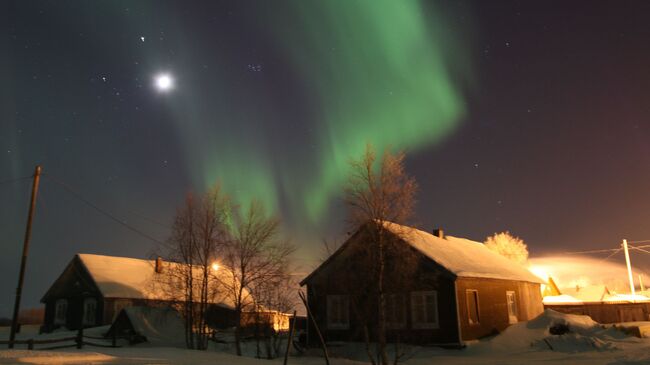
555	331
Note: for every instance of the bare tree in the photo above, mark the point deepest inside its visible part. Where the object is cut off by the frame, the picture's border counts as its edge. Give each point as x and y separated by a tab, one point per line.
509	246
199	235
378	193
255	256
274	300
269	320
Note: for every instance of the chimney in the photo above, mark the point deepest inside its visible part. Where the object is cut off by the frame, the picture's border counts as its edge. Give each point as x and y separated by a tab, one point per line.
159	264
438	232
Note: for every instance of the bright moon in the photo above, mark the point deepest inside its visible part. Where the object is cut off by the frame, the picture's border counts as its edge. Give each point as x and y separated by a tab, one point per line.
164	82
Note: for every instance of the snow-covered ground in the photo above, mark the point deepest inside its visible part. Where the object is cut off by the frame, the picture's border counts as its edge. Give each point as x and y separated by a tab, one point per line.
587	343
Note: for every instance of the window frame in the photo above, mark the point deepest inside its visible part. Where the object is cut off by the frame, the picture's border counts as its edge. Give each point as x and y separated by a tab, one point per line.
513	317
60	319
343	306
85	320
473	293
429	323
394	298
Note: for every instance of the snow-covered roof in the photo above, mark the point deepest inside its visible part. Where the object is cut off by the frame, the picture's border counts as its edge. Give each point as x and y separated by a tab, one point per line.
463	257
460	256
561	299
590	293
131	278
161	326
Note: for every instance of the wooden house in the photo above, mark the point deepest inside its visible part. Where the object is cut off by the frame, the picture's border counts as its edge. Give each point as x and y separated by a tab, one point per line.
93	289
439	290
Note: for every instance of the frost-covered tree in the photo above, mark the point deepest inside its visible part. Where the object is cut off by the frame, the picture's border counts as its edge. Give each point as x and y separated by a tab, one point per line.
199	235
509	246
257	257
379	192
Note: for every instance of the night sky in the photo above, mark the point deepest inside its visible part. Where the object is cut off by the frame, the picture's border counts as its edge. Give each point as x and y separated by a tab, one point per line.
530	117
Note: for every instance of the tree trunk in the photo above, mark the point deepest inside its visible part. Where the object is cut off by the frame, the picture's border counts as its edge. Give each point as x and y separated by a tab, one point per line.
238	331
366	337
381	321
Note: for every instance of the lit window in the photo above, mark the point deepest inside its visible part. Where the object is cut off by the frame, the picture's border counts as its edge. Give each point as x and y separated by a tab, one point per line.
90	311
60	311
513	311
424	309
471	296
395	311
338	312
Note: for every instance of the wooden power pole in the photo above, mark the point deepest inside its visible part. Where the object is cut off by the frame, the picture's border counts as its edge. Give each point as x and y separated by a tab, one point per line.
629	269
23	262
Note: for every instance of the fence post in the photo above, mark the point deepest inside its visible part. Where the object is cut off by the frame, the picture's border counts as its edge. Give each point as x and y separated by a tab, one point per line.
80	337
30	344
313	320
292	326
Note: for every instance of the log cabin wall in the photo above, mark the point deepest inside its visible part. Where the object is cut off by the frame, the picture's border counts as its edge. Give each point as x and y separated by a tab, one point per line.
492	305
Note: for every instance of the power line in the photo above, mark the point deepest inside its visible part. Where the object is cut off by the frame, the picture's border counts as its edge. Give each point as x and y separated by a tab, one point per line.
77	195
642	241
611	255
9	181
150	220
644	246
592	251
639	249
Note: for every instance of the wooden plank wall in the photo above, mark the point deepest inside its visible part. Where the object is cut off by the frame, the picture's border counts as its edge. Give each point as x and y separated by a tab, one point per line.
607	312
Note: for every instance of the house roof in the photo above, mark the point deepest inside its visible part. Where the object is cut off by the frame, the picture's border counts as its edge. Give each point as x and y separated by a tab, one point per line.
460	256
131	278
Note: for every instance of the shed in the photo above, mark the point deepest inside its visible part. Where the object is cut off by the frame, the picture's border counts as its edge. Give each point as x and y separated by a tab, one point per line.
161	326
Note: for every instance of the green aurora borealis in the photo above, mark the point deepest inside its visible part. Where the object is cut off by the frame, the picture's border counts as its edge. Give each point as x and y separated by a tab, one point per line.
505	110
370	73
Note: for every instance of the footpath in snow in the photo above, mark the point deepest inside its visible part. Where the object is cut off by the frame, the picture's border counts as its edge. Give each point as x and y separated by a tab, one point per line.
551	338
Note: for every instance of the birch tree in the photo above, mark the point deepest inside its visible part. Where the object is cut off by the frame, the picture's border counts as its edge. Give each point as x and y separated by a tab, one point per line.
379	192
199	236
256	256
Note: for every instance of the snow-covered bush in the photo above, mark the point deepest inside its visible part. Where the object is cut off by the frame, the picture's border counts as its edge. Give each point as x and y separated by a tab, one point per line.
508	246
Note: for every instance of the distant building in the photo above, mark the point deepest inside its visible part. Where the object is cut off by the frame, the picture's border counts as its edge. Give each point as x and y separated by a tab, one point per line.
93	289
599	303
460	291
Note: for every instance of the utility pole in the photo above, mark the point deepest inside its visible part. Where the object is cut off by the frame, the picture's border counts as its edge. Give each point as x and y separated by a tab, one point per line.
23	262
629	268
641	283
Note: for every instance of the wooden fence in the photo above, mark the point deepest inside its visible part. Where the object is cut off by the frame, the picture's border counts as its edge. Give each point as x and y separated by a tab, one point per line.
79	342
607	312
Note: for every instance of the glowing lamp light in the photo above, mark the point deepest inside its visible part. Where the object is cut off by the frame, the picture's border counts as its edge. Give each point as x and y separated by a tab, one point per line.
164	82
540	271
215	266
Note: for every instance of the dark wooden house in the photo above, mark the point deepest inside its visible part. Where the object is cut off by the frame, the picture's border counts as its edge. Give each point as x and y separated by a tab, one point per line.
93	289
455	290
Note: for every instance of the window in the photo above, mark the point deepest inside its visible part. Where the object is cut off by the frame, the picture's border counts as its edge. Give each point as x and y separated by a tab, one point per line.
60	311
395	310
471	296
424	309
338	312
90	311
513	311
